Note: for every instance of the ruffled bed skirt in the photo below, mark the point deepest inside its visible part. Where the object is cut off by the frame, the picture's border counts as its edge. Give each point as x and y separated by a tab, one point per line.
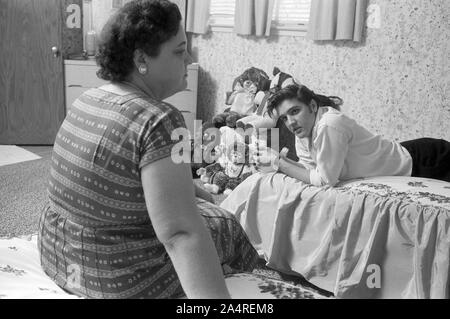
384	237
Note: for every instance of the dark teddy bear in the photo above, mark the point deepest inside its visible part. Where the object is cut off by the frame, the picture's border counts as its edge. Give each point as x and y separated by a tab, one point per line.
245	87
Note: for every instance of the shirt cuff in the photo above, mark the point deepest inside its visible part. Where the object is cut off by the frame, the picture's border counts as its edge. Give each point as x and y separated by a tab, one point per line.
315	178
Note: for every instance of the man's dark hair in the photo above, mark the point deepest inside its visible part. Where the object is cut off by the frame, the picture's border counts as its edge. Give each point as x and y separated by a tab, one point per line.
303	95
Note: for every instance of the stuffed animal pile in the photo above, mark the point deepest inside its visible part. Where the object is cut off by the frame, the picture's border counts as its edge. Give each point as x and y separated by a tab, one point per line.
232	168
242	98
248	101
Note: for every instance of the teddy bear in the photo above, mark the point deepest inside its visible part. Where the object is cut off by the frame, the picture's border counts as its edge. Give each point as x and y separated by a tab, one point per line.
229	171
241	99
260	119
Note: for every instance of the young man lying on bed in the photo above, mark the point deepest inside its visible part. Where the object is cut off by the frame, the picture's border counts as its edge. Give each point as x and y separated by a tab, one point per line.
332	147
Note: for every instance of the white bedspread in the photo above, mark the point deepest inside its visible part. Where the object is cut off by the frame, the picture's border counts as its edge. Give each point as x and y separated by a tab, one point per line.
21	277
384	237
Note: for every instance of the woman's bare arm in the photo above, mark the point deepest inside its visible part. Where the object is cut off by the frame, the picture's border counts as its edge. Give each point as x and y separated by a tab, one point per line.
169	194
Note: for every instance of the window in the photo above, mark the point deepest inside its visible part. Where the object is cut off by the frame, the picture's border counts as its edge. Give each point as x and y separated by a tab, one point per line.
222	13
291	13
290	17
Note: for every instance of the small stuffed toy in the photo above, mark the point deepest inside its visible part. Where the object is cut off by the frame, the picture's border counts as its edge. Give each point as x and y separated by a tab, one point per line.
231	169
280	79
203	145
245	88
260	118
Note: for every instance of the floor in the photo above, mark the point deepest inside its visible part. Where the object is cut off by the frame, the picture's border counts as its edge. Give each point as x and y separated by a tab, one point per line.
42	151
11	154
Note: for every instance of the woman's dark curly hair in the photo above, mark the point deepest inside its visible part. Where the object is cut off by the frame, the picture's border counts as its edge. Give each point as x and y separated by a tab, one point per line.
140	24
303	95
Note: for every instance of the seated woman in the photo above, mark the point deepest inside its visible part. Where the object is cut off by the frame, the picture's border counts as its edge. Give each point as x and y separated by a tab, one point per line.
122	219
333	147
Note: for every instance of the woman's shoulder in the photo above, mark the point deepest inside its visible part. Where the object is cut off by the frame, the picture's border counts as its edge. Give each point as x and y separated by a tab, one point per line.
152	109
149	112
125	95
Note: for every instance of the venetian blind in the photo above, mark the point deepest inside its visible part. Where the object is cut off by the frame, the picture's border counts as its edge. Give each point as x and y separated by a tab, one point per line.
222	12
285	12
291	12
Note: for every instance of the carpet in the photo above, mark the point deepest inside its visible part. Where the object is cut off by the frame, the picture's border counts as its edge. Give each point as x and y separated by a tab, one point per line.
11	154
23	195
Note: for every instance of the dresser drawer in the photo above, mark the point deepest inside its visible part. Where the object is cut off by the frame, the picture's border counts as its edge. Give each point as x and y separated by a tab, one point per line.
184	101
82	76
189	119
72	94
192	79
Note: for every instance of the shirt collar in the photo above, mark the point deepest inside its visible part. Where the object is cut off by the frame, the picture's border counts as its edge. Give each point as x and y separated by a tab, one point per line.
306	141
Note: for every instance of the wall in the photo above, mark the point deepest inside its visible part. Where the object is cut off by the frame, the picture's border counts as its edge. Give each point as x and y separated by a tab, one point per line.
72	34
395	83
99	11
103	9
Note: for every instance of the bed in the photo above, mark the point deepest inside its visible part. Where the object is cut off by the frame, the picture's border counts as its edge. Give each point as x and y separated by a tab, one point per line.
381	237
21	277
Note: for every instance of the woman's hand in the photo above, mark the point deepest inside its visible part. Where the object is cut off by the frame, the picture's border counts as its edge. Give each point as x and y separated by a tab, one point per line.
203	194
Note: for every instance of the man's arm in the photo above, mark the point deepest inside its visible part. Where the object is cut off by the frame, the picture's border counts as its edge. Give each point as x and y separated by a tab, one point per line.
294	169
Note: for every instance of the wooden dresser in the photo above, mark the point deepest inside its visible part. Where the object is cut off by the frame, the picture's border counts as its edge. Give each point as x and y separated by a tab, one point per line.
80	75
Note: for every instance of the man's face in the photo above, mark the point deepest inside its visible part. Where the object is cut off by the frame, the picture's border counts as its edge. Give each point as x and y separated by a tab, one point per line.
297	116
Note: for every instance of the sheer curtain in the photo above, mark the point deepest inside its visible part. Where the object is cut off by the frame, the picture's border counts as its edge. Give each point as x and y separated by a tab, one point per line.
337	19
253	17
197	16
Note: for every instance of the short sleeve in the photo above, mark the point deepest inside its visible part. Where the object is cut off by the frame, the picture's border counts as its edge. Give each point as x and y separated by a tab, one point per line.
157	140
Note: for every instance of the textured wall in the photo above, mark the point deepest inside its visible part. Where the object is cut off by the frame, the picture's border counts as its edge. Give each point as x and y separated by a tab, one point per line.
396	83
73	37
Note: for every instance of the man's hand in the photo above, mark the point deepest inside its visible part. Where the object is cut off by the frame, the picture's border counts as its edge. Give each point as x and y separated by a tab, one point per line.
267	159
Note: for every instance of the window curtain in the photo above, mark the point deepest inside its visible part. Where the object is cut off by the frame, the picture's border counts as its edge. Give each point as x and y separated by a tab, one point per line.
337	19
253	17
197	16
